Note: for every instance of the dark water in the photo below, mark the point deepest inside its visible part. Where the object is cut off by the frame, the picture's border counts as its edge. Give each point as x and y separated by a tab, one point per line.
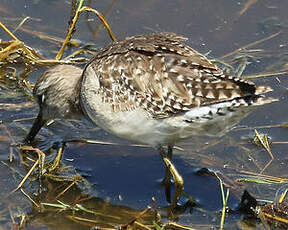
123	178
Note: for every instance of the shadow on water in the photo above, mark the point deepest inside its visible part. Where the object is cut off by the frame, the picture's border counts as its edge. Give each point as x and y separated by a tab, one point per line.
119	179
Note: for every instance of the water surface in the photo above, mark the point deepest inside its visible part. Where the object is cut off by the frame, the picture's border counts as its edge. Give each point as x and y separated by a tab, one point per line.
122	178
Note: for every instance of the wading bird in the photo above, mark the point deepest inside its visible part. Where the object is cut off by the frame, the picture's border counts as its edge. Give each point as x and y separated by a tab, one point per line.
151	89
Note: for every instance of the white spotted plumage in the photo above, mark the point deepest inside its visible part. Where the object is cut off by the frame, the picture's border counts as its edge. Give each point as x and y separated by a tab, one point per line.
167	91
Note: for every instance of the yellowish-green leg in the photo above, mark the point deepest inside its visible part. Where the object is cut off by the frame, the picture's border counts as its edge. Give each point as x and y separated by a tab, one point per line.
58	157
179	182
166	180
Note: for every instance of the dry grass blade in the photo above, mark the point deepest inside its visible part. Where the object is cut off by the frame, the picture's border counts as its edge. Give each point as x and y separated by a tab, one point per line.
96	31
267	74
72	26
26	177
285	125
141	214
25	194
16	49
14	45
47	37
175	226
283	195
95	141
8	133
102	19
82	219
77	208
21	23
277	218
259	180
76	179
267	177
263	141
251	45
77	52
8	31
246	6
140	226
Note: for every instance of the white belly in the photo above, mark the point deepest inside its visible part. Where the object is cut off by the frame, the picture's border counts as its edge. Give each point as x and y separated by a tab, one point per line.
137	126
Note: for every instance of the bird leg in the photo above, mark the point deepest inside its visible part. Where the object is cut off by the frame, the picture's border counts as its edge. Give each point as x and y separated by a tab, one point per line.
58	157
166	180
179	183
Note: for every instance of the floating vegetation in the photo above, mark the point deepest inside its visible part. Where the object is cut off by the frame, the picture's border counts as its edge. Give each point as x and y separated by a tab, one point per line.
15	51
263	141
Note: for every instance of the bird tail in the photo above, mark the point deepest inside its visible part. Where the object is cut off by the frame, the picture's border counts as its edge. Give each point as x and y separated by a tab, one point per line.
262	89
261	100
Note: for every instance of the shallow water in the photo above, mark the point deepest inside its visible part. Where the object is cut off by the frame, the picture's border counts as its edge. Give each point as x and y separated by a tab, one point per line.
122	178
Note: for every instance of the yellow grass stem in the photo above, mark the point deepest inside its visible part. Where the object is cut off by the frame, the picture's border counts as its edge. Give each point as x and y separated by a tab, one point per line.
75	19
8	31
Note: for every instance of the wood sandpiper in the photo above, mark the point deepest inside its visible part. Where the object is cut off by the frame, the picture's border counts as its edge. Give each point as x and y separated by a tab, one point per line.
151	89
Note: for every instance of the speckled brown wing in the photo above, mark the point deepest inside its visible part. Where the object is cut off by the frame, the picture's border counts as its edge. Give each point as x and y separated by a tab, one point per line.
160	74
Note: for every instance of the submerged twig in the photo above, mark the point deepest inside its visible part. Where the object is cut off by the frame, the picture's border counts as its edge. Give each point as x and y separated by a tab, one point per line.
251	44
